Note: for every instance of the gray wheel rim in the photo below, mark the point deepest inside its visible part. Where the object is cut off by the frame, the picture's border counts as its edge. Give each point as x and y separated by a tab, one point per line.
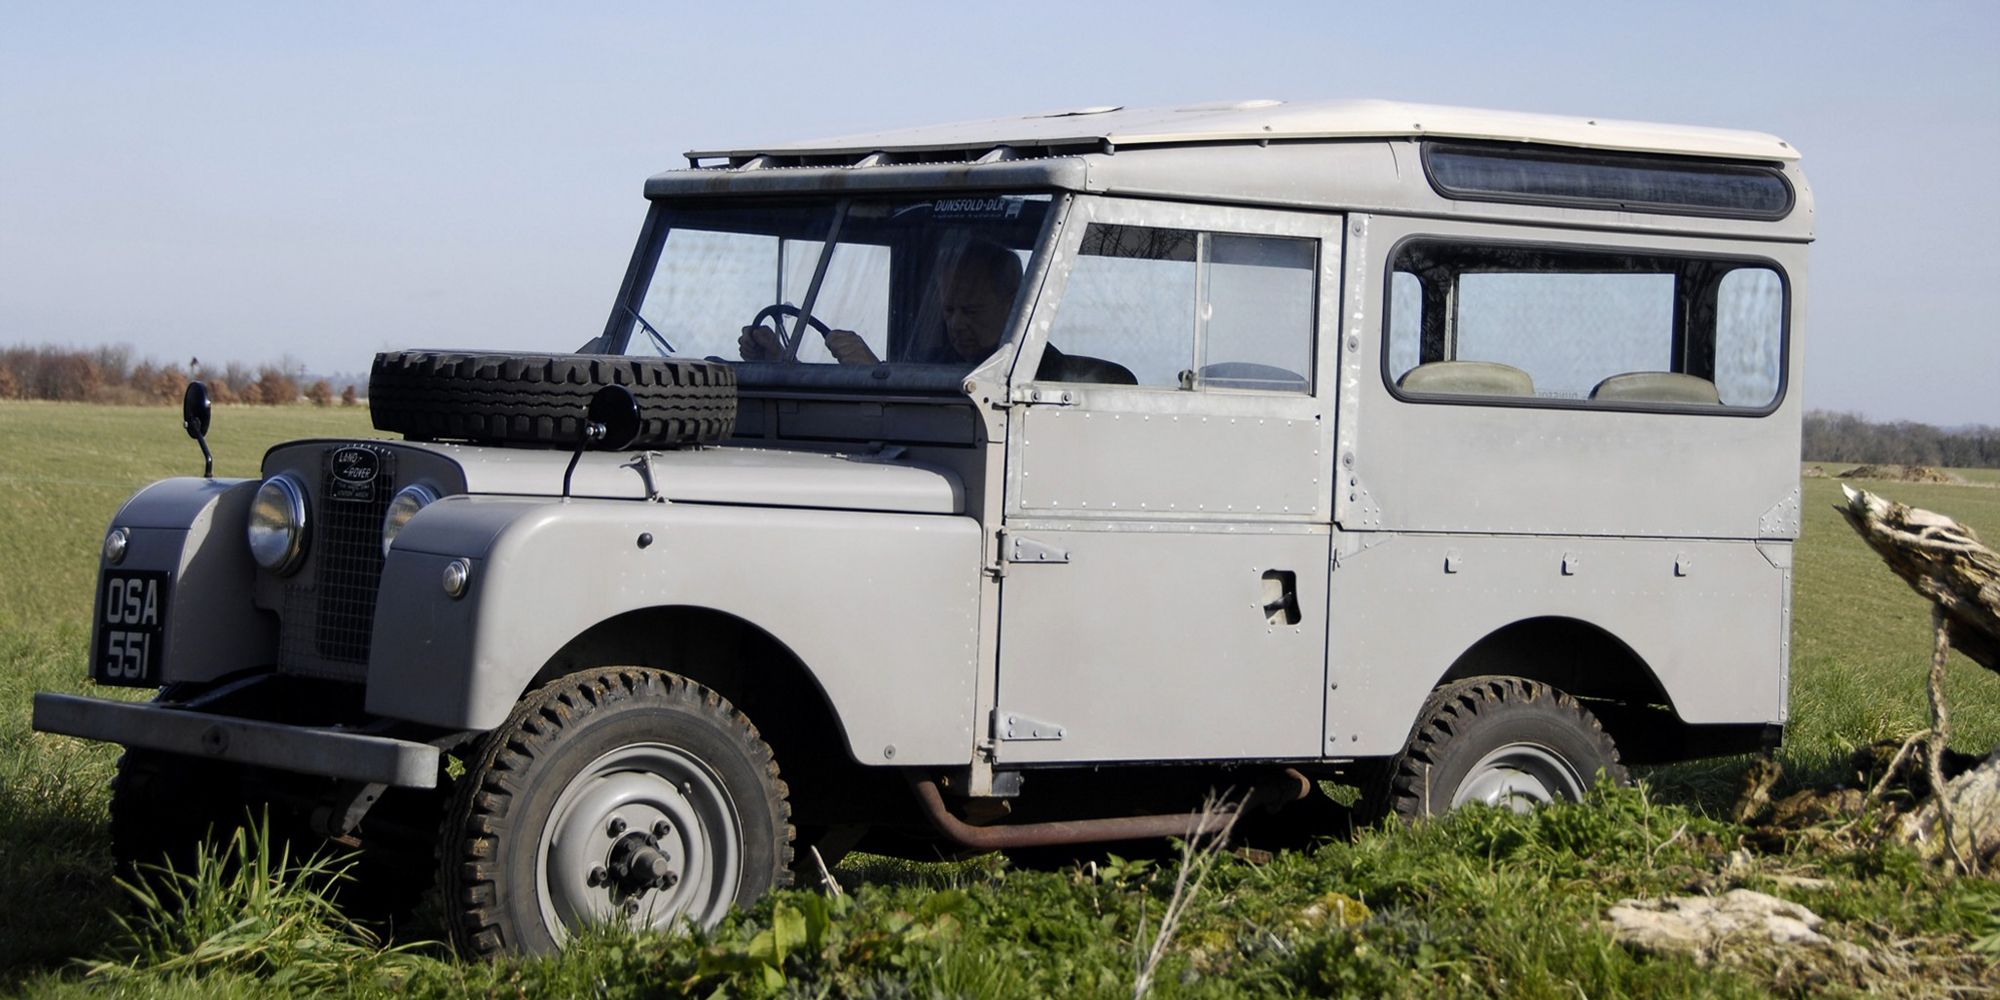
1519	776
632	790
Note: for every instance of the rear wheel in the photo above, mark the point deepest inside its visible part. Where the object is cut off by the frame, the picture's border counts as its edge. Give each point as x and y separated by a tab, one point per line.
1497	741
620	795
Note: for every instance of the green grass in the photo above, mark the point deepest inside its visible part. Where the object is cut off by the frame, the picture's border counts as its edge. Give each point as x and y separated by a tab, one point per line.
65	469
1480	904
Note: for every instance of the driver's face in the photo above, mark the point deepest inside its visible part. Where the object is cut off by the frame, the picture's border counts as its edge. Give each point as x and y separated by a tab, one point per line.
975	313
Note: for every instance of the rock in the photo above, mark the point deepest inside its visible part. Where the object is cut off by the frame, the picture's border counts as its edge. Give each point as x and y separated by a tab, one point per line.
1709	927
1975	809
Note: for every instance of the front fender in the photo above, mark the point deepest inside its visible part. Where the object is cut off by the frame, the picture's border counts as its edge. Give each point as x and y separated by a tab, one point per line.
192	530
882	608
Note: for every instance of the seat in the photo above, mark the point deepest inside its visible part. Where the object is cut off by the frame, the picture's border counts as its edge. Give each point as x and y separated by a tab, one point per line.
1078	368
1657	387
1467	378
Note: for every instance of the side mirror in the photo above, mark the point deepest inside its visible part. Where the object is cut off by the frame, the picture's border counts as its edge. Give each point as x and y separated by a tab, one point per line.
611	422
195	411
616	411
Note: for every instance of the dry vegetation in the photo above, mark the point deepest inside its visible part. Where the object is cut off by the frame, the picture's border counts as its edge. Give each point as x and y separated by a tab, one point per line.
114	375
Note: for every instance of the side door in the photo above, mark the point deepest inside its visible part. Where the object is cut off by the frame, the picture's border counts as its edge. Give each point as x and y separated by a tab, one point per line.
1169	489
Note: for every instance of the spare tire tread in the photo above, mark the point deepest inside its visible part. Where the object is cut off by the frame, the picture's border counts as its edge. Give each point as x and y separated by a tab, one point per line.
539	399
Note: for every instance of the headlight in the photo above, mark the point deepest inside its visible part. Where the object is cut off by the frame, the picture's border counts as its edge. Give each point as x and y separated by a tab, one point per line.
278	524
403	506
115	544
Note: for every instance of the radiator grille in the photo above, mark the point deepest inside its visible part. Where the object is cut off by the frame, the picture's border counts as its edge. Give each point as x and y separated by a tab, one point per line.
329	614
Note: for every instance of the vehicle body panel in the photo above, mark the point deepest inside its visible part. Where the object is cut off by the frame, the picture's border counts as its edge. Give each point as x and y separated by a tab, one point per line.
1708	618
192	530
881	607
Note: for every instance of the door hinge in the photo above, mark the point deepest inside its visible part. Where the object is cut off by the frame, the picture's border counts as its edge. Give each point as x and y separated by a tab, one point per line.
1017	728
1021	549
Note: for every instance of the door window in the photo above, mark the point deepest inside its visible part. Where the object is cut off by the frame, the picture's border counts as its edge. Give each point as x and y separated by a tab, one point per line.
1187	309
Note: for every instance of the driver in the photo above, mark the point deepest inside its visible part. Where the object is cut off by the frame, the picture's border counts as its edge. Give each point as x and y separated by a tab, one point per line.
976	295
760	343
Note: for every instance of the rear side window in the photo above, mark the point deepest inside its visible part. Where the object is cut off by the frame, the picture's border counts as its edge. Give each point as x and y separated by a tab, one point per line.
1618	182
1538	325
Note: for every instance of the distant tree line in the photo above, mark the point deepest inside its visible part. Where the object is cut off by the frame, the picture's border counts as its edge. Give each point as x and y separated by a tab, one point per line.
1848	437
114	375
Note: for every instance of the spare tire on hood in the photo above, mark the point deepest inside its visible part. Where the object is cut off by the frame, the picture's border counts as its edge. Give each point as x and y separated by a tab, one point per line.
539	399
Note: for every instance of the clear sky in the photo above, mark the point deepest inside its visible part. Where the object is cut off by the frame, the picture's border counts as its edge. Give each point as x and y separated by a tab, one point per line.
248	181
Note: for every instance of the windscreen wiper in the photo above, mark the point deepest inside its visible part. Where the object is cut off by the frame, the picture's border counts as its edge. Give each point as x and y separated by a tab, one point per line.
659	341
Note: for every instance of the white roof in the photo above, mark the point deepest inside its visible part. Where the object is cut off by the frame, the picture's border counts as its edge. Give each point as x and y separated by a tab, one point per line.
1252	121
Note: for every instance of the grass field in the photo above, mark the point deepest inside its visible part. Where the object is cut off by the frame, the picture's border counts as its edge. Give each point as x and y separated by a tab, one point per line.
1480	904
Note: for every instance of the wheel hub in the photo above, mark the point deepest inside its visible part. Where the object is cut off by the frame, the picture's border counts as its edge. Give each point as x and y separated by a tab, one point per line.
644	836
638	864
1519	777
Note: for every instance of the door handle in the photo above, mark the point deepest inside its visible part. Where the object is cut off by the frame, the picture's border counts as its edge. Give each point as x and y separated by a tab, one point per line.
1281	597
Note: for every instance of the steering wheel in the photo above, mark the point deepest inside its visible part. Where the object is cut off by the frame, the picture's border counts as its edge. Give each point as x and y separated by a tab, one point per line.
777	309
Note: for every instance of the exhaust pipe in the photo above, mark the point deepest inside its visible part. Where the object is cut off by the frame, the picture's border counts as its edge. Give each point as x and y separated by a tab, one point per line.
1290	786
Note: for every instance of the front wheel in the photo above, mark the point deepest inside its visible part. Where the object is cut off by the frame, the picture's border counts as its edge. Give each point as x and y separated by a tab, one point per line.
613	796
1498	741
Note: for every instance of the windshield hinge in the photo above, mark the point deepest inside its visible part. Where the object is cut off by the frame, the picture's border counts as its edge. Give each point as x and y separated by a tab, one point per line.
1043	396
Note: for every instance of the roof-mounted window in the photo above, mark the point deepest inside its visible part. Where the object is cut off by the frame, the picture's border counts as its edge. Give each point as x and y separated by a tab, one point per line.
1583	179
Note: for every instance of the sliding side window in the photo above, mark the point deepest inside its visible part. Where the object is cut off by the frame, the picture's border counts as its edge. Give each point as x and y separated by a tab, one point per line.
1584	327
1185	309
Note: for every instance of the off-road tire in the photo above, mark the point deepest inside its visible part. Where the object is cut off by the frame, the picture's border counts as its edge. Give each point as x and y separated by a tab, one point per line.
490	871
1464	722
539	399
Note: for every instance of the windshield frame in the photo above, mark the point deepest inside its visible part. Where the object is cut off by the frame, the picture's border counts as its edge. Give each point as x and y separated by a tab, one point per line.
788	376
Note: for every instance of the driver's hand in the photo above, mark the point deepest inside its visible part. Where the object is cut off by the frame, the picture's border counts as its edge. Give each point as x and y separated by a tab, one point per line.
848	348
760	343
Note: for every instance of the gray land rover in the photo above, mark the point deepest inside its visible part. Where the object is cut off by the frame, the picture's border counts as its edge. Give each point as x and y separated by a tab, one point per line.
1005	485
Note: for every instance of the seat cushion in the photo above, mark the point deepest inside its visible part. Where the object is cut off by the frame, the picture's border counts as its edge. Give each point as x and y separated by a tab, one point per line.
1657	387
1467	378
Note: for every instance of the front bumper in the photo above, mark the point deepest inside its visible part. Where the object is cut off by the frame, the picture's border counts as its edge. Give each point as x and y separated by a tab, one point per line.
333	753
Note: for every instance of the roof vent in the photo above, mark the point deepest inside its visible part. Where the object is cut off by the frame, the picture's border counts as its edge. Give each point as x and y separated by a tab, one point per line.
1096	109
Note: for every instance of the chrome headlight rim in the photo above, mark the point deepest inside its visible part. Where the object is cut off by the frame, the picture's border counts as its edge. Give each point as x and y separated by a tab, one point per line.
403	506
116	542
279	546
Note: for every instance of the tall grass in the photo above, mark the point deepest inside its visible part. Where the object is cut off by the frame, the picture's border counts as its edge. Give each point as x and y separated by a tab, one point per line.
249	909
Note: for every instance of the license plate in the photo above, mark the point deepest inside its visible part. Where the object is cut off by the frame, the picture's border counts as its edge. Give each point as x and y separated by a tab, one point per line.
131	629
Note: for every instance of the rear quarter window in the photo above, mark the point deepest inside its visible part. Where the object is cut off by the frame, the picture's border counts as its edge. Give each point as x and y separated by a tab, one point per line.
1537	325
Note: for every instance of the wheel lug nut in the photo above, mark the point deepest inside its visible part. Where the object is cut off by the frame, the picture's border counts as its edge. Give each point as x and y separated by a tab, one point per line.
598	876
617	826
662	828
669	880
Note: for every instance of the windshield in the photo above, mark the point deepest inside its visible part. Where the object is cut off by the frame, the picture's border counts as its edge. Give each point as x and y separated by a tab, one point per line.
899	291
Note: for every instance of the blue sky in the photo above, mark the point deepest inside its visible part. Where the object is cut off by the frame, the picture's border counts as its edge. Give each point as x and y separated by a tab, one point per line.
248	181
